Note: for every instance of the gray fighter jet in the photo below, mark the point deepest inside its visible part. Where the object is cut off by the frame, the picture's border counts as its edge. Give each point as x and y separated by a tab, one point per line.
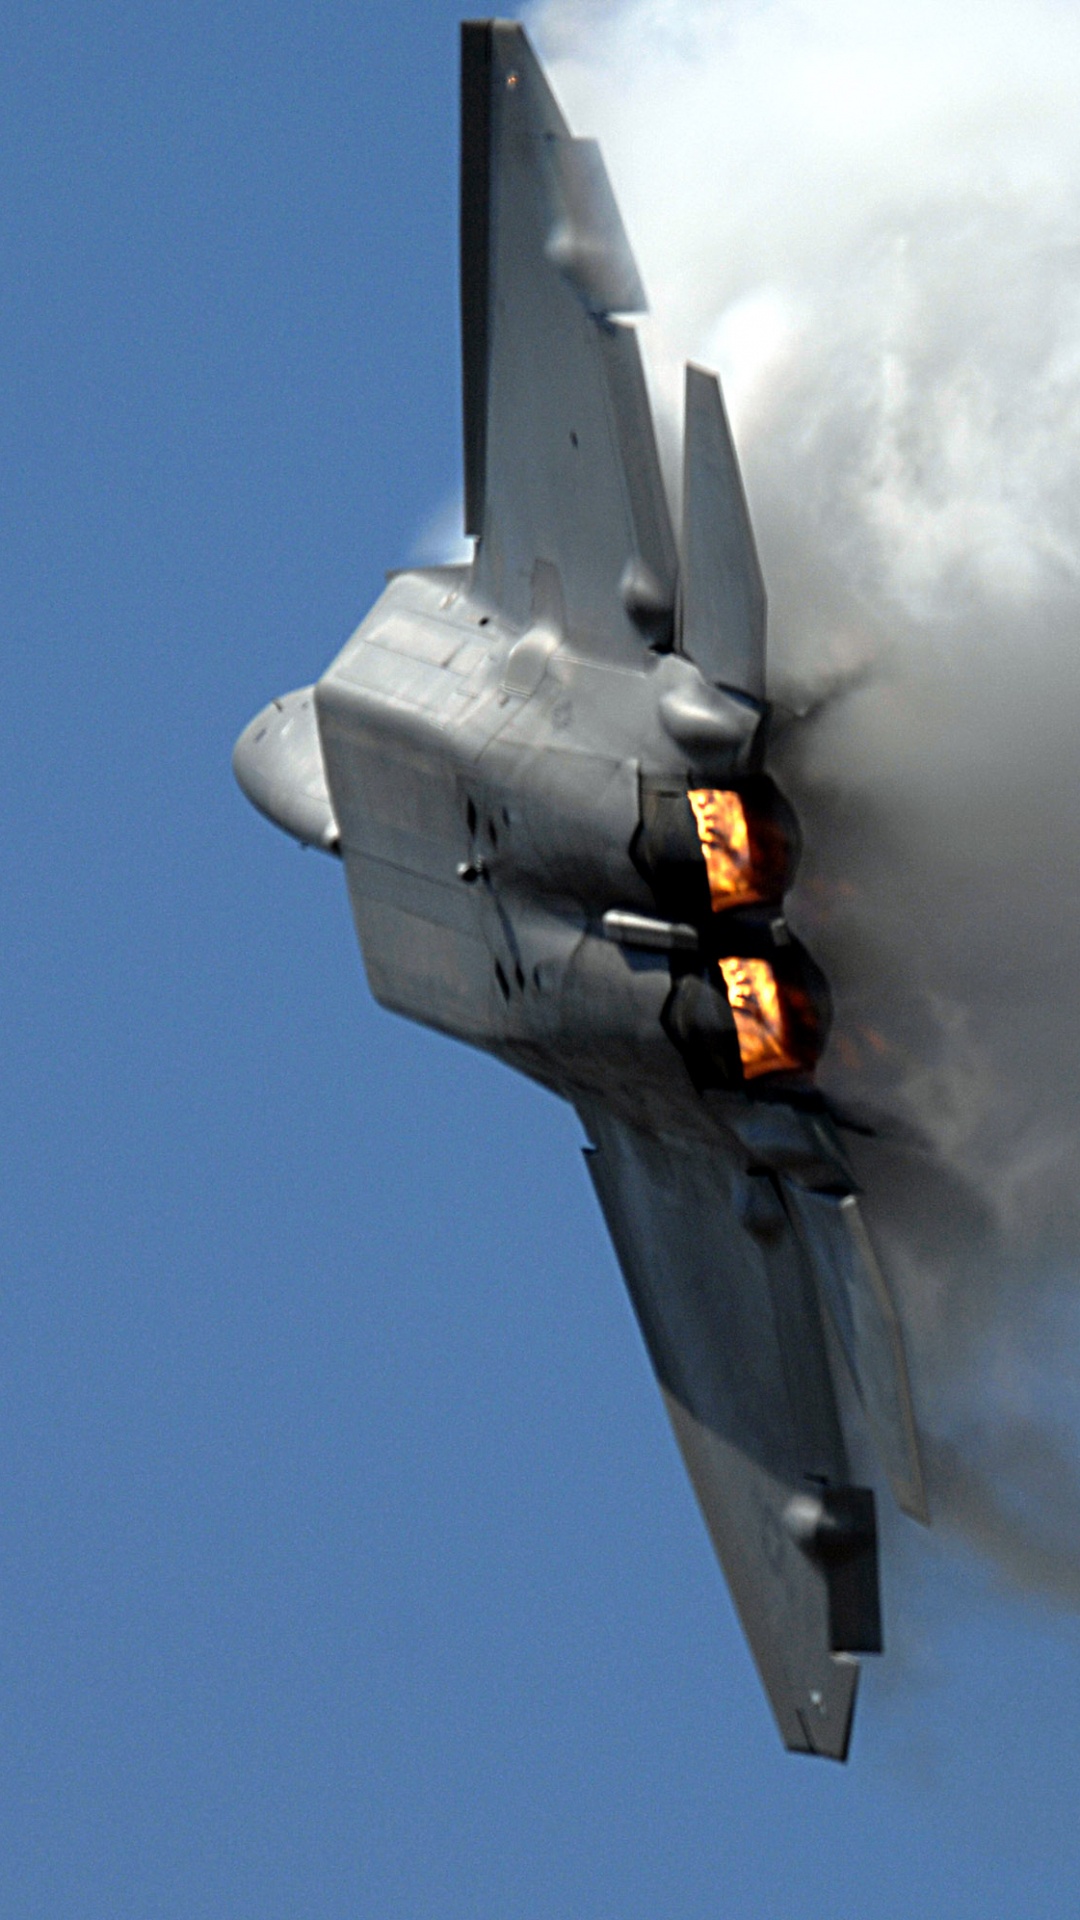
546	774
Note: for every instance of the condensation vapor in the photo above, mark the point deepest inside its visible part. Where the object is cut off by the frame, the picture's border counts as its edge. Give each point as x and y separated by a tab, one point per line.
868	219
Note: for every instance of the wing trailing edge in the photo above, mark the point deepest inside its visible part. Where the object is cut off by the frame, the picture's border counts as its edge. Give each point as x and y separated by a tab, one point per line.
561	464
731	1320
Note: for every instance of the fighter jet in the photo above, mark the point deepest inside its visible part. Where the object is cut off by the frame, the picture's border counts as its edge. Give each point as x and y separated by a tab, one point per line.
546	773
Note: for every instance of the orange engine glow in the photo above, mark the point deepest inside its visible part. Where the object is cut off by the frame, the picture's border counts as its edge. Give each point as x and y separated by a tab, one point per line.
725	841
760	1026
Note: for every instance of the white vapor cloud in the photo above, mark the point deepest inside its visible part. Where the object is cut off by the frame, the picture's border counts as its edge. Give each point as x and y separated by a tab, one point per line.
868	218
442	540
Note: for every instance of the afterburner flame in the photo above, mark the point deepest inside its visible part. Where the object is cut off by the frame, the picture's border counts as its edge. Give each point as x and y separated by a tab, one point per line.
755	1001
725	841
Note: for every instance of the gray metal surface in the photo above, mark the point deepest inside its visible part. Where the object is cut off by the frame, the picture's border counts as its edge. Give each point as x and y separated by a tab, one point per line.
561	844
857	1298
722	593
728	1311
279	765
562	464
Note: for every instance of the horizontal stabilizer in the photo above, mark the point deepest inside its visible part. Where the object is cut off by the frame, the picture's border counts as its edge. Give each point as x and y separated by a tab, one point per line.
722	592
856	1294
732	1323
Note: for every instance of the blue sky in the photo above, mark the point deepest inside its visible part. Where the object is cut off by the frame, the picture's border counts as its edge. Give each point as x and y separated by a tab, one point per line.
346	1563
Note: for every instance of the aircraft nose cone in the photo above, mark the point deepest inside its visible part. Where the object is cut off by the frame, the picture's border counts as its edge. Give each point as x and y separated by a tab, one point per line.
278	764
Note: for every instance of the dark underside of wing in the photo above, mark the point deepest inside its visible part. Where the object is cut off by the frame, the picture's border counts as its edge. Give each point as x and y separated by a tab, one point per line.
561	469
730	1314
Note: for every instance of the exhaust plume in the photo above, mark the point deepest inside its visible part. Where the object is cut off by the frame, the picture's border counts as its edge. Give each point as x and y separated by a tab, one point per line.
868	219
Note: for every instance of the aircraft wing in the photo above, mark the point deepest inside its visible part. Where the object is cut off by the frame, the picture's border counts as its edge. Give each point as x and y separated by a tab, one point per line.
728	1307
562	481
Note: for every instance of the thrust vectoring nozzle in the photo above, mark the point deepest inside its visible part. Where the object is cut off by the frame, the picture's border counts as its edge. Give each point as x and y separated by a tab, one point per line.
546	774
722	600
